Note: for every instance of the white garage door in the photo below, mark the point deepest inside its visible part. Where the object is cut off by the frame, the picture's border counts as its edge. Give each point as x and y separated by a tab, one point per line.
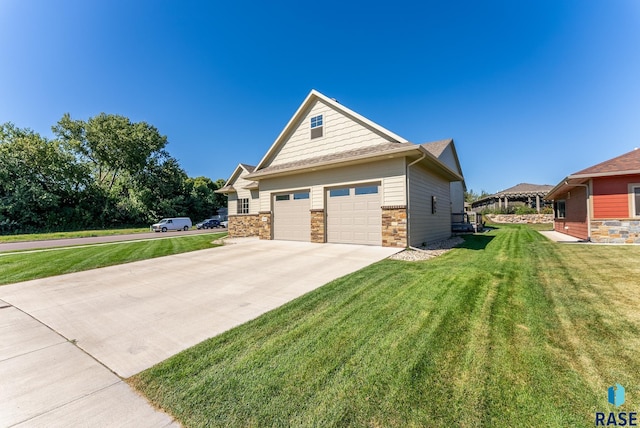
354	215
291	217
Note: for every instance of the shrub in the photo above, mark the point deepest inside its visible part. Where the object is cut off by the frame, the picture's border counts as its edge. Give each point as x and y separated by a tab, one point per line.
525	210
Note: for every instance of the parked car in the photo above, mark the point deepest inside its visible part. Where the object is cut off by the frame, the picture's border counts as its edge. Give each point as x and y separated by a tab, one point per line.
173	223
224	224
209	223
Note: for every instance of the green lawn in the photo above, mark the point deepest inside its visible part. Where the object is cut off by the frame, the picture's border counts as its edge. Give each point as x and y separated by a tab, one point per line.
63	235
15	267
510	330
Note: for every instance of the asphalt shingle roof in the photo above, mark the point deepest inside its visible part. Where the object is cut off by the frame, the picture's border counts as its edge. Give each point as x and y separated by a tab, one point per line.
626	162
527	188
437	147
371	150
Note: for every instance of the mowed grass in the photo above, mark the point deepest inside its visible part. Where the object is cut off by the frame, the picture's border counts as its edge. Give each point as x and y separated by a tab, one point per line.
511	330
23	266
64	235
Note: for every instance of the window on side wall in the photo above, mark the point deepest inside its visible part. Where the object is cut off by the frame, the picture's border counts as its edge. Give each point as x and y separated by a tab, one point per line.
636	201
243	206
317	124
560	209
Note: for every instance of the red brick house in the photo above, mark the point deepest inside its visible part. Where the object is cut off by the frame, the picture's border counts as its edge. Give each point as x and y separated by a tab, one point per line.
601	203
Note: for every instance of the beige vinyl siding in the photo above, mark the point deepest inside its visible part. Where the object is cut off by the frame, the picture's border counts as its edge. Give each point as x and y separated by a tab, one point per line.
252	195
447	158
457	197
456	188
340	133
423	225
390	173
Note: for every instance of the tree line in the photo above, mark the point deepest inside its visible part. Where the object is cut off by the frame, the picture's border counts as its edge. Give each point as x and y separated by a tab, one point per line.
104	172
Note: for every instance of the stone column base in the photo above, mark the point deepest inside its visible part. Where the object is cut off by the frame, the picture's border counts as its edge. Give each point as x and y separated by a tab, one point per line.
394	226
264	227
317	226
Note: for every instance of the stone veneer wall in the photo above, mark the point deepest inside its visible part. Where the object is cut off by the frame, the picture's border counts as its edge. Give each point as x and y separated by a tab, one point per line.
242	225
317	226
394	226
264	226
623	231
521	218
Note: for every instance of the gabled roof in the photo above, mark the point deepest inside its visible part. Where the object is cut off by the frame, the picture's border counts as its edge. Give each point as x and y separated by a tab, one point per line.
626	164
248	168
298	115
438	147
228	186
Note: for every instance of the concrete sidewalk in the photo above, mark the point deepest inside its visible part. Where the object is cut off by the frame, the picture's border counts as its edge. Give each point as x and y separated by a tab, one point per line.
558	237
65	340
47	381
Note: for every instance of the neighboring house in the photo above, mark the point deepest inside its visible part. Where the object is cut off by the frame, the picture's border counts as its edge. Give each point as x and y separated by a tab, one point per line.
335	176
601	203
523	194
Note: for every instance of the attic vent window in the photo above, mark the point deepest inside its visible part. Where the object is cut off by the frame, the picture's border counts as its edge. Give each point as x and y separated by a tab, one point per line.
316	127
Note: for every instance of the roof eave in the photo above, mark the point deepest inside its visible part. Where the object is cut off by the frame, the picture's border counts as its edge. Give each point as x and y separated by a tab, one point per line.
225	190
605	174
566	184
333	163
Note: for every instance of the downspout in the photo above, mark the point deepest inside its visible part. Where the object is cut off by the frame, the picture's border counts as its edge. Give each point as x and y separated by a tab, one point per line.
424	155
586	189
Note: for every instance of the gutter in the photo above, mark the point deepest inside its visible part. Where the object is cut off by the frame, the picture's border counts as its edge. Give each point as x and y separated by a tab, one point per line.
406	173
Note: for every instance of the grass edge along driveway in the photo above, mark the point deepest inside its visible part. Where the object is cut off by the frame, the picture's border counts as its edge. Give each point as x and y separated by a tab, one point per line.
17	267
509	330
66	235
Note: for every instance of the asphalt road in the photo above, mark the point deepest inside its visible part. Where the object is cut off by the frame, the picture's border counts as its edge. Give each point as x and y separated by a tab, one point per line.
33	245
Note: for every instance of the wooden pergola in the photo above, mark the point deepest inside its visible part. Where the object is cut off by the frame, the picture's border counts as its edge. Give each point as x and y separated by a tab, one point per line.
531	195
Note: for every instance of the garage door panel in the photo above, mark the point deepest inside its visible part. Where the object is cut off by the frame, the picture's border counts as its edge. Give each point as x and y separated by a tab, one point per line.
291	218
354	217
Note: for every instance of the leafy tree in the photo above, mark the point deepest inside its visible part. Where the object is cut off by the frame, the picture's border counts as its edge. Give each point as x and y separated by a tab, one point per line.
105	171
471	196
41	185
204	202
120	156
111	144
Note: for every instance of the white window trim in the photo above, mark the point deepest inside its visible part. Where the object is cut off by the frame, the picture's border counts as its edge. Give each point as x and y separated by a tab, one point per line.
240	208
556	215
632	199
311	127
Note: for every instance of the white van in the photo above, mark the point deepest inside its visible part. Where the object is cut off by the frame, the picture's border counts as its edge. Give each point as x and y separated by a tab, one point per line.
173	223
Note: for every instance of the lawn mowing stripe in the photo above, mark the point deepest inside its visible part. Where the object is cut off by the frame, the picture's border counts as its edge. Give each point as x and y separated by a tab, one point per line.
471	338
41	250
17	267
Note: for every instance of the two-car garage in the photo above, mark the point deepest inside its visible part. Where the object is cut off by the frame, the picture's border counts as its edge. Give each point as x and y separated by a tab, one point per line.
353	215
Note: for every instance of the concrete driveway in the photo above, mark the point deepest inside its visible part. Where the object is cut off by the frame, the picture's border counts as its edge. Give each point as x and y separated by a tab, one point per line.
66	341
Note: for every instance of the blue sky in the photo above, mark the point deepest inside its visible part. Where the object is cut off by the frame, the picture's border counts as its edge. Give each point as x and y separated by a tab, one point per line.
530	90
